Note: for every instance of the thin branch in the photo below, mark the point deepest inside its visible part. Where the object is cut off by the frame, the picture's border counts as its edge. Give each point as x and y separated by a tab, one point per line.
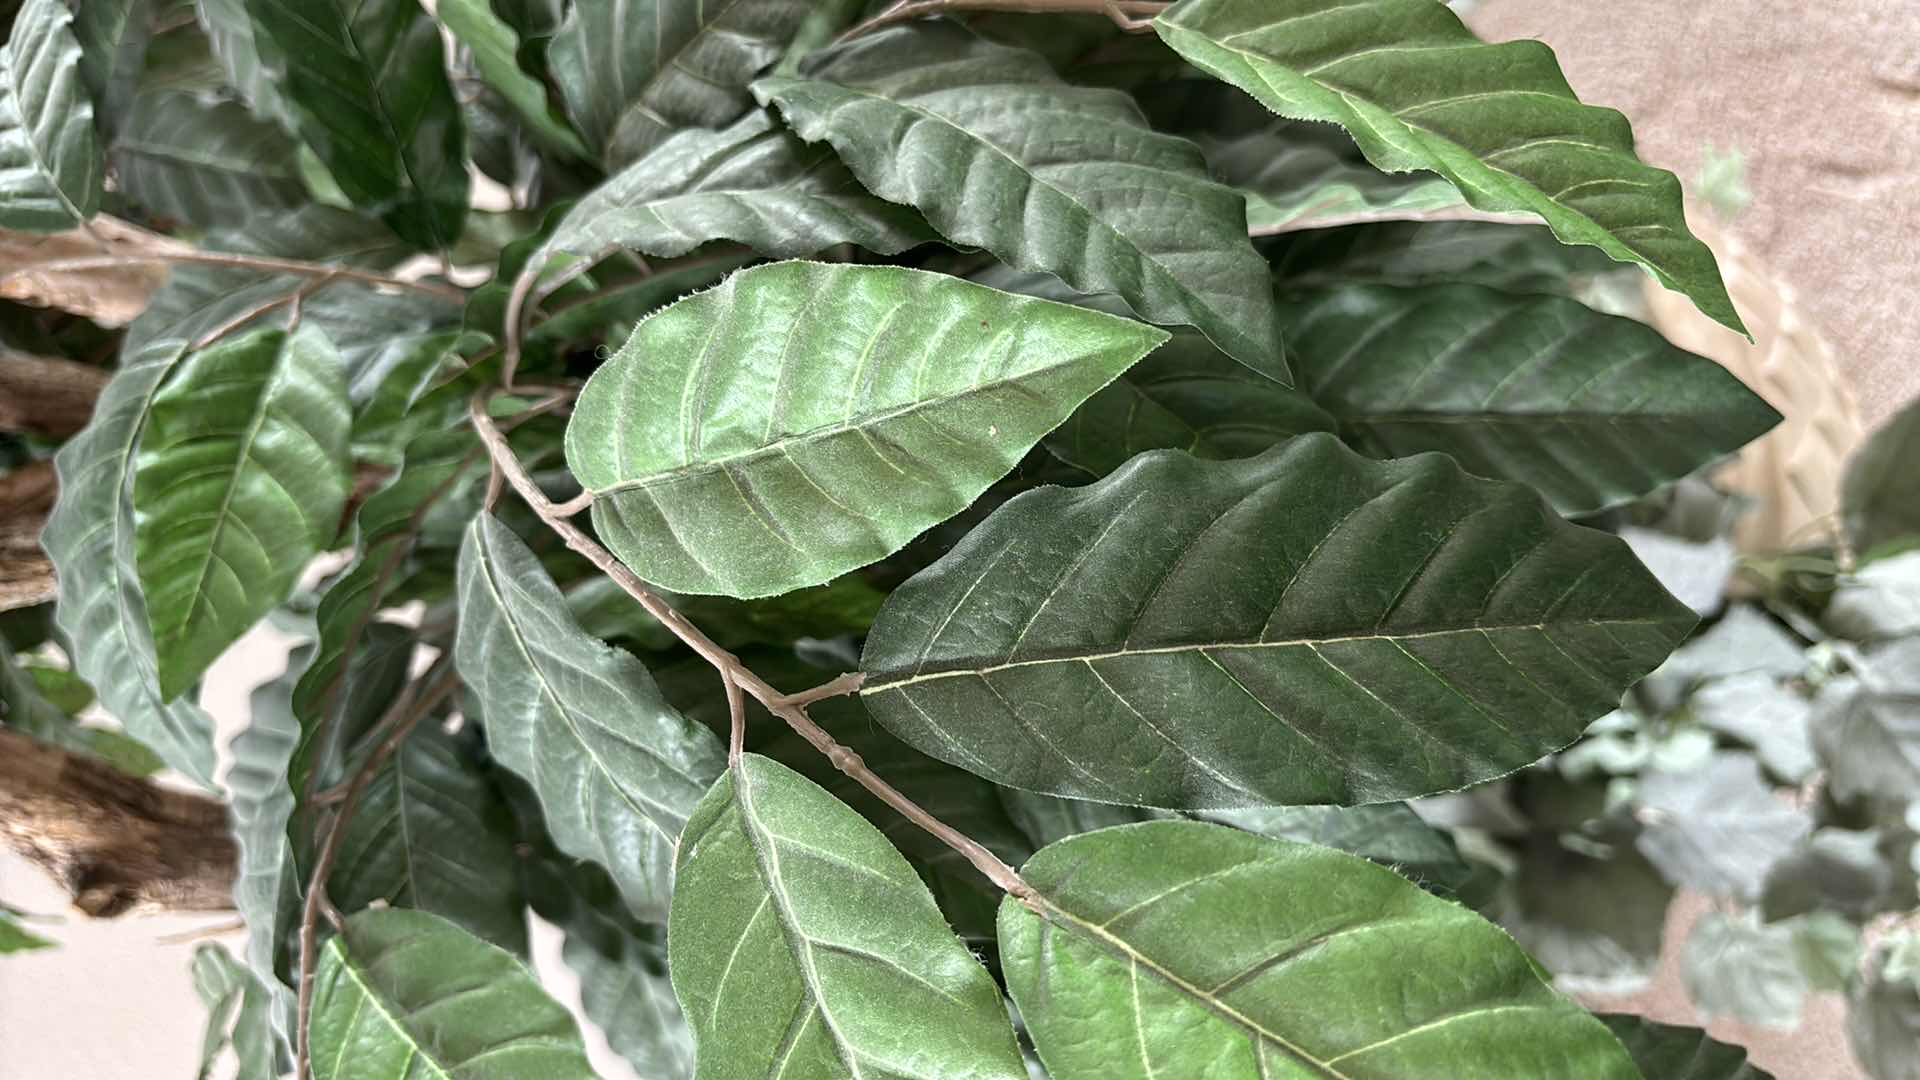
574	505
516	323
416	702
264	263
845	684
737	719
737	674
1132	16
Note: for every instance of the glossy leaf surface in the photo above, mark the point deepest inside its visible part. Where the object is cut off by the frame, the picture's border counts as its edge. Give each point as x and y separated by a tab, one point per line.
113	36
843	410
802	942
1311	963
998	152
616	769
1210	634
50	161
496	48
205	162
1417	90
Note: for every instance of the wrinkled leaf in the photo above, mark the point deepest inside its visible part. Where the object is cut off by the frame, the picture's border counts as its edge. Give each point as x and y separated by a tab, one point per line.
1879	600
845	409
50	161
1211	634
205	162
1184	949
496	49
1868	738
800	939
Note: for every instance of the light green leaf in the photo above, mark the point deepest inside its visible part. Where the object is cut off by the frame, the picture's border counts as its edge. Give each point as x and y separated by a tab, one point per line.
1880	498
616	769
267	885
1417	90
1883	1010
754	182
1758	711
1593	410
368	84
632	72
1737	967
1176	948
431	833
496	51
801	941
1879	600
802	420
1211	634
971	132
241	476
236	1015
1717	829
205	162
1868	737
405	993
113	36
16	938
50	161
1672	1052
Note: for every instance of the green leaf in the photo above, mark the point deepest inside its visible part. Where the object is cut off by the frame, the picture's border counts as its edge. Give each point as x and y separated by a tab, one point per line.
845	605
1417	90
1880	497
1879	600
634	71
50	161
247	56
1753	972
205	162
236	1015
1718	829
405	993
432	834
753	182
1771	718
1210	634
16	938
616	769
1883	1010
1846	871
1593	410
496	50
1868	737
1299	175
1516	258
801	939
1596	923
1176	948
240	479
1672	1052
368	84
267	885
113	36
971	133
802	419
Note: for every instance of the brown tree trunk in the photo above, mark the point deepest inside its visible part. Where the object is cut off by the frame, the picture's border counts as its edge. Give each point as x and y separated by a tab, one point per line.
47	397
116	842
26	497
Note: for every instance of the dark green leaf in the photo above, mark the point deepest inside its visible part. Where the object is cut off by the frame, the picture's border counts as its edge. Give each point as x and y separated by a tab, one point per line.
843	410
845	605
972	133
1596	923
1591	409
801	940
205	162
1517	258
1880	498
405	993
1211	634
1850	872
50	161
1670	1052
1306	176
241	475
634	71
1417	90
113	36
616	769
496	50
1184	949
369	88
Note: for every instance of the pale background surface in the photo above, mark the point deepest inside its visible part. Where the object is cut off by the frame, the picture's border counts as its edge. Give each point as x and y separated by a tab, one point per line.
1823	100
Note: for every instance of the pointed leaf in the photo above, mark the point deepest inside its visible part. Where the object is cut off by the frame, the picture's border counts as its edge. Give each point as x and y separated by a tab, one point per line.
842	411
405	993
113	36
205	162
368	84
50	163
971	132
1175	948
616	769
1417	90
754	182
1591	409
634	71
1880	500
1210	634
496	50
801	941
1673	1052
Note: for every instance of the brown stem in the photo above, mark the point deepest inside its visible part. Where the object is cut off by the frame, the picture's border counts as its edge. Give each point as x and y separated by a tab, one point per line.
26	498
418	700
1131	15
117	843
737	719
737	674
265	263
47	397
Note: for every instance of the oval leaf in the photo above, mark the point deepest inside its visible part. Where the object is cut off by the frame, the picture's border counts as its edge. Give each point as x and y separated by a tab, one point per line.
1206	634
616	769
1417	90
818	417
801	943
50	161
1183	949
1592	410
242	473
405	993
971	133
